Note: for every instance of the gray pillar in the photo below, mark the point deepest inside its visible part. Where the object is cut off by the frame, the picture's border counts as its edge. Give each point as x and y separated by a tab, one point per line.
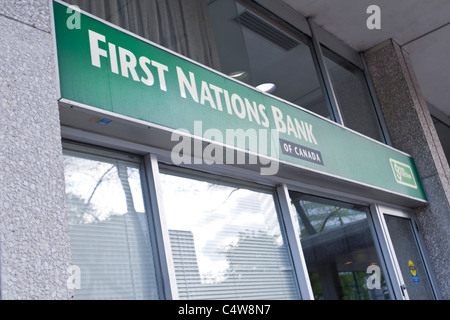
412	131
34	233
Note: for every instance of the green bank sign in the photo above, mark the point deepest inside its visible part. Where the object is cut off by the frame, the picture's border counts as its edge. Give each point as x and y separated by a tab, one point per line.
110	70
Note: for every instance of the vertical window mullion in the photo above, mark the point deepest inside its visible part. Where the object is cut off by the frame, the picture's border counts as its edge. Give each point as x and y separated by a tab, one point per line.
169	284
293	240
395	277
325	76
382	250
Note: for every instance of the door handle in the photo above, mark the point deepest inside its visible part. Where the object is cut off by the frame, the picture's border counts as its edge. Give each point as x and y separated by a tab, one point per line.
403	287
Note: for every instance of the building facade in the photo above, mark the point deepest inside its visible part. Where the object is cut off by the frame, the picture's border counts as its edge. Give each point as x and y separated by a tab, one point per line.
142	159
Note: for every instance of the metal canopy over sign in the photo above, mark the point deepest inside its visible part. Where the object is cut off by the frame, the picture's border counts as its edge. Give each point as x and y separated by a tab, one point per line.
109	69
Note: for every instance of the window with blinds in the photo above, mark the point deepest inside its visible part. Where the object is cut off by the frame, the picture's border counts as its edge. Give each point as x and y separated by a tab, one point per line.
109	231
226	241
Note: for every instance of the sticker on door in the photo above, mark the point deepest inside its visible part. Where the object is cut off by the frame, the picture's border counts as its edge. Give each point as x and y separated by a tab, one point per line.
413	271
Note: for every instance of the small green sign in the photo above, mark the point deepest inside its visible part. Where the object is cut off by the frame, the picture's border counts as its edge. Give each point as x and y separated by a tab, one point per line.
403	174
115	72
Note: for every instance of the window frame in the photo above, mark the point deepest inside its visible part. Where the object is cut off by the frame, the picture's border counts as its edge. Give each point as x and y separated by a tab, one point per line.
153	158
379	212
98	151
372	216
320	37
281	204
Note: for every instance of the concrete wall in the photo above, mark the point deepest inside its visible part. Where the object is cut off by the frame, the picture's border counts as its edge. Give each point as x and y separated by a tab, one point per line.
34	233
411	130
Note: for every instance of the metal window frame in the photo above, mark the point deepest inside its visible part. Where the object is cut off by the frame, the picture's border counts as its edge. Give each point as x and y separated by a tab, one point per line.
294	244
399	287
281	203
380	238
152	158
319	37
166	264
393	270
324	75
146	183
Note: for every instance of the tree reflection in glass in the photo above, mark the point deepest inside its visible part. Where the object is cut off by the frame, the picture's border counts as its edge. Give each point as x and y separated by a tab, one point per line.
339	249
109	236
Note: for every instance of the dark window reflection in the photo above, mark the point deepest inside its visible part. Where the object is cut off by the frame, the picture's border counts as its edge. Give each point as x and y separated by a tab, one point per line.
339	250
256	50
353	96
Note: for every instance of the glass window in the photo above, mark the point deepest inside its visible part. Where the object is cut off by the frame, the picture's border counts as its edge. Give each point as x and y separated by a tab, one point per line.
256	50
339	249
244	41
353	96
226	241
181	26
409	258
109	231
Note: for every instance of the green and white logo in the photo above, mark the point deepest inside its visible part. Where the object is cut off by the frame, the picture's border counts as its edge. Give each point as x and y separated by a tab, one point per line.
403	174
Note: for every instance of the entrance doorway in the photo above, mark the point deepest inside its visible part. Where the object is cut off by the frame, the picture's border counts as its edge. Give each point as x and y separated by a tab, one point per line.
341	254
408	257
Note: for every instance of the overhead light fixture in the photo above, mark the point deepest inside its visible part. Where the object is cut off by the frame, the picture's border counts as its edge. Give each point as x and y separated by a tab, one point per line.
240	75
267	87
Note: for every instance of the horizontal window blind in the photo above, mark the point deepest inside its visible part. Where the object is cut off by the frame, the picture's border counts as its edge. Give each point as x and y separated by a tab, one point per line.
109	234
226	241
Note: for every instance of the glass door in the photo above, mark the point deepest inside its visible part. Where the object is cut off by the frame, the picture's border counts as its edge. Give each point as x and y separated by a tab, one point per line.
338	244
415	283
